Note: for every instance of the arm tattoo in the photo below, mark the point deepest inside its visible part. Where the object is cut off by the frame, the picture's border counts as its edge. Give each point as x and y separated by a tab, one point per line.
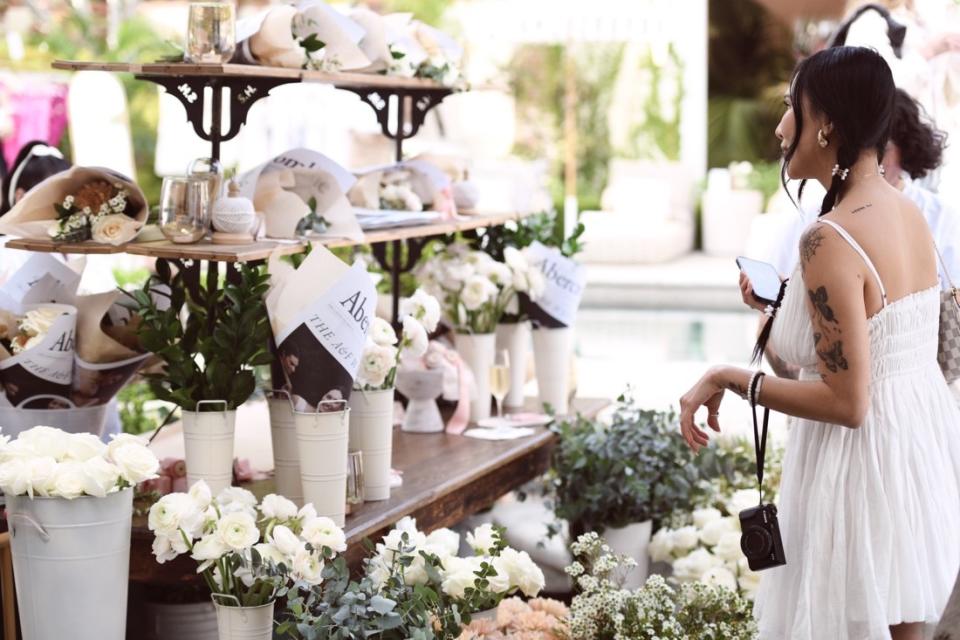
737	389
809	244
782	368
826	339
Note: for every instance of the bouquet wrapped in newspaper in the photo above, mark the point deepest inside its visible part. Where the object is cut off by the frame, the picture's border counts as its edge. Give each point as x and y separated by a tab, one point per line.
411	192
308	35
81	204
320	314
302	192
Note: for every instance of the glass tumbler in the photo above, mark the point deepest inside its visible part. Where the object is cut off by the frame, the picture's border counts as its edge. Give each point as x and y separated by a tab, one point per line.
355	478
211	33
184	208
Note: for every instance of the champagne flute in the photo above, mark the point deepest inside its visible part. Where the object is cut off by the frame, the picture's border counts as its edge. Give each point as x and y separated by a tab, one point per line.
500	379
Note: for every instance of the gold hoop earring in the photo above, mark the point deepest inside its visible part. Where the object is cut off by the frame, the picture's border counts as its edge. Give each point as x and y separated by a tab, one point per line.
822	139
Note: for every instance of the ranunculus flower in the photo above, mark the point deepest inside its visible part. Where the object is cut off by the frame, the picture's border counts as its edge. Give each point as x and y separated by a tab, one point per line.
323	532
477	291
115	229
173	512
209	547
164	549
136	462
715	529
702	516
238	531
661	546
376	363
285	541
308	567
728	547
270	553
237	500
101	477
200	492
278	508
415	340
424	307
685	538
382	333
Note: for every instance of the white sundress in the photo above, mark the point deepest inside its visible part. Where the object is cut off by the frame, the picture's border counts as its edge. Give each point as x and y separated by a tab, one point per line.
870	517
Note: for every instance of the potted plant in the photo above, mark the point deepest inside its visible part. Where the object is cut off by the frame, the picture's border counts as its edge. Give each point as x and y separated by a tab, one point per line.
507	244
474	290
69	506
413	586
371	403
622	478
208	357
249	554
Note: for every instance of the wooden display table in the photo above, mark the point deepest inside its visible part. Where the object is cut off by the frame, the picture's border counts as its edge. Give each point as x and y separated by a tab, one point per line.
445	479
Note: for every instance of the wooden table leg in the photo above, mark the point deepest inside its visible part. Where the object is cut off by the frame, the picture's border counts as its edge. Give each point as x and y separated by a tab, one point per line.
7	591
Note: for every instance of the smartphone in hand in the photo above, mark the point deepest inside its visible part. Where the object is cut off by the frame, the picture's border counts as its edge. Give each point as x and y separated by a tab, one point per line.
764	279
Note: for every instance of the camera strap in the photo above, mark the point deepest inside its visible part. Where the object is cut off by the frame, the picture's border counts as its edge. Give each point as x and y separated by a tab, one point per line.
759	437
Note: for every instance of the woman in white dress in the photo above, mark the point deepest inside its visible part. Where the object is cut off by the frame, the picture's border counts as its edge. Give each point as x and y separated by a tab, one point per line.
870	495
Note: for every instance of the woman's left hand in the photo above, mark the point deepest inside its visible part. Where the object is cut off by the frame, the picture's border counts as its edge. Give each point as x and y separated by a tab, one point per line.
708	392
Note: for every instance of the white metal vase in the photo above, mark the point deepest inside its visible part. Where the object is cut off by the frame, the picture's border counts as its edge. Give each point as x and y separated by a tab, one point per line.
71	563
244	623
286	457
322	444
632	541
552	350
514	338
478	351
208	445
371	432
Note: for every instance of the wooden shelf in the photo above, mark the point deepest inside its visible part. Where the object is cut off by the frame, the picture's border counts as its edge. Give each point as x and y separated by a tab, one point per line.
179	69
260	250
445	479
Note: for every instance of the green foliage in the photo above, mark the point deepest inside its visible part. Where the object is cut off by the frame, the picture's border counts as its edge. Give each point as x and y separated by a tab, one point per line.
633	469
127	278
212	355
135	417
545	227
765	178
657	137
742	129
429	11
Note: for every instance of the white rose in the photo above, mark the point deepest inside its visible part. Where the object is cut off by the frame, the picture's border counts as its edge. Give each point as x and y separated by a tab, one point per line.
742	499
102	477
238	531
715	529
424	307
276	507
136	463
173	512
721	577
415	340
83	446
40	473
120	439
661	546
115	229
382	333
285	541
376	363
13	477
482	539
728	547
207	550
693	566
702	516
307	567
44	441
323	532
201	495
443	543
685	538
69	480
37	324
521	570
477	292
460	574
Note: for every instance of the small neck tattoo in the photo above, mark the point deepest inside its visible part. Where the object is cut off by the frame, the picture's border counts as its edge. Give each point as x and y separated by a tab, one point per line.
859	209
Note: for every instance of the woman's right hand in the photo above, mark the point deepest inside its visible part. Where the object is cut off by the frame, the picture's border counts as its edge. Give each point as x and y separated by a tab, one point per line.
746	292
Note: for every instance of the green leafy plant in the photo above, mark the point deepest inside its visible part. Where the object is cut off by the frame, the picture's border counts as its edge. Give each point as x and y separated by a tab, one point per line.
212	354
545	227
633	469
135	415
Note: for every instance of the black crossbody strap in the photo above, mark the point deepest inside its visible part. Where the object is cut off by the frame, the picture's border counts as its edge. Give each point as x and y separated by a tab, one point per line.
759	437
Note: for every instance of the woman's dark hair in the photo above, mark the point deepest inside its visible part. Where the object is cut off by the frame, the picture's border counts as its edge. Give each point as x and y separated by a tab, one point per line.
30	169
920	143
896	32
853	87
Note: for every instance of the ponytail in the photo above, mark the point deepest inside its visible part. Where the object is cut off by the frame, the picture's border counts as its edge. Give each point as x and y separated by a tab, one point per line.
846	158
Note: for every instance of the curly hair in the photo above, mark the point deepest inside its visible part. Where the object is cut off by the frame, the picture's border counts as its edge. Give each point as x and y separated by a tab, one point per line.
920	143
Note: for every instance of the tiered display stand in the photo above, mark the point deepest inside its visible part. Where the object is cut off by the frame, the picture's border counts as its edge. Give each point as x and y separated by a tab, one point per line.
446	477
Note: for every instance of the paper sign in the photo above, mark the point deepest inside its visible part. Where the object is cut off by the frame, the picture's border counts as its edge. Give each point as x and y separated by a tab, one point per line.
565	282
42	278
47	368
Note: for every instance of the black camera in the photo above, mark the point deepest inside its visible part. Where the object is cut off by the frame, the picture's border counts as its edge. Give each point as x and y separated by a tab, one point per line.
760	540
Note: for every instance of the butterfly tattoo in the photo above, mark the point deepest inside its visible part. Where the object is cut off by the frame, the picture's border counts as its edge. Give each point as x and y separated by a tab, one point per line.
833	358
819	300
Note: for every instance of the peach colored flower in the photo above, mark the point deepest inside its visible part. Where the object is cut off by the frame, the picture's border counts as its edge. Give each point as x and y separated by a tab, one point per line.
553	607
509	610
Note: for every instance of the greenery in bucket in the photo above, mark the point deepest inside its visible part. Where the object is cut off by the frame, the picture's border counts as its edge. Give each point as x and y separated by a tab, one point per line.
632	469
211	354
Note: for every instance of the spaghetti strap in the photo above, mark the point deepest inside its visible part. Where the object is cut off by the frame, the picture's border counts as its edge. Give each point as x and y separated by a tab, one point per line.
863	254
